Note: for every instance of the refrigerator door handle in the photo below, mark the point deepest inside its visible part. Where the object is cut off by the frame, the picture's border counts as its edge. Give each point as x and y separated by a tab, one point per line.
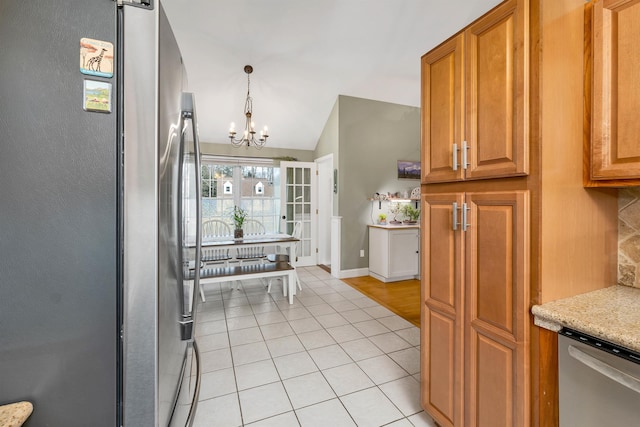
189	113
186	321
196	393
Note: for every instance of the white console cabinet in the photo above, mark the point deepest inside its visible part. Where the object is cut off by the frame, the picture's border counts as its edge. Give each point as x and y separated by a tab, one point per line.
394	252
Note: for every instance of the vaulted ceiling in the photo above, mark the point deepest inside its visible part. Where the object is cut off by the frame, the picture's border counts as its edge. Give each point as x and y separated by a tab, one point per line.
304	54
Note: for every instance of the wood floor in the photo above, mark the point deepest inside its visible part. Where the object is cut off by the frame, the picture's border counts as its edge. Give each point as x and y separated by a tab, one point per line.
403	298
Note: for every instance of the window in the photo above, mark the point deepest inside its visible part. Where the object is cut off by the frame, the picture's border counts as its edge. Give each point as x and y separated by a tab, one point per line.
249	183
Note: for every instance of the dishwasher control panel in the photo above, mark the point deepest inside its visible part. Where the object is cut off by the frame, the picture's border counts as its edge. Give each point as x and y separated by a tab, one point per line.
603	345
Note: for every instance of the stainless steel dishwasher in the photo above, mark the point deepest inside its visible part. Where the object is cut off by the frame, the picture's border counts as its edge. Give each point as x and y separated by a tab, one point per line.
599	382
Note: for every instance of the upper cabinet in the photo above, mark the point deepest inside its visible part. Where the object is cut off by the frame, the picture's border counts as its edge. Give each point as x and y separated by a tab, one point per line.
612	76
442	111
475	100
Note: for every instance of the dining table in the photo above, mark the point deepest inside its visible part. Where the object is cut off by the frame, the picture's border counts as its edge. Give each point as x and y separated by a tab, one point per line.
274	241
267	243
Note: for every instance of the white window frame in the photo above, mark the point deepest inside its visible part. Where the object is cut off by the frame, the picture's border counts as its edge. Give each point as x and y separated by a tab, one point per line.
252	203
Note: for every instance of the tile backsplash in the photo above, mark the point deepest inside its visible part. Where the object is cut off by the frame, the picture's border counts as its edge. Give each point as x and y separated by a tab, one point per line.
629	237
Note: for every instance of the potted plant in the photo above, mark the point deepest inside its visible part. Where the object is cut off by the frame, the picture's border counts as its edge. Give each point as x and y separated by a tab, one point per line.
239	215
394	208
412	214
382	219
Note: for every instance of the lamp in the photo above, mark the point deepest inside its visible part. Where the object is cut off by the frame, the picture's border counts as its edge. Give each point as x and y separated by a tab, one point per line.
249	134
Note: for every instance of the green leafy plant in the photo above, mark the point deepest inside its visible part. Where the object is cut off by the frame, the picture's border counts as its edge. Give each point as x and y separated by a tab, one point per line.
382	217
410	212
239	215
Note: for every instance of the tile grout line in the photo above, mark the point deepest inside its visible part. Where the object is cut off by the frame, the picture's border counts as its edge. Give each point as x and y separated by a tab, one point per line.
279	309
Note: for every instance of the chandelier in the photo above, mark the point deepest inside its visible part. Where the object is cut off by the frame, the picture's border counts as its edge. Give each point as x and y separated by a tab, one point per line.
249	135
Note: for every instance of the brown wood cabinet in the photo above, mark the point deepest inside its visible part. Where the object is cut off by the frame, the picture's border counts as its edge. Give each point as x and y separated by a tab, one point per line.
442	329
612	75
475	95
529	238
479	289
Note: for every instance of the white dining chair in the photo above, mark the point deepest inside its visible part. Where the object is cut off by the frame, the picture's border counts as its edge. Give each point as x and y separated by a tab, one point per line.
211	229
215	228
252	227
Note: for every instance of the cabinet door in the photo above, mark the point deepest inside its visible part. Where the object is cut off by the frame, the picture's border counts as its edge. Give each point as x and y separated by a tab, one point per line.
496	314
442	107
403	252
442	311
615	151
496	84
379	251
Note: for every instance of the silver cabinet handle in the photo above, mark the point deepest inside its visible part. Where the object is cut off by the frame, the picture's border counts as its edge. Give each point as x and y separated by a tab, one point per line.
465	219
455	156
605	369
465	149
455	216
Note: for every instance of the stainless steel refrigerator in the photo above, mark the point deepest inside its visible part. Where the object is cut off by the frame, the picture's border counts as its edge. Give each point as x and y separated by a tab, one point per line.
98	201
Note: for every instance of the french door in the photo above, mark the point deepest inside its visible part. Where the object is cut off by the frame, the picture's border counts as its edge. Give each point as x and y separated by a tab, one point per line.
298	203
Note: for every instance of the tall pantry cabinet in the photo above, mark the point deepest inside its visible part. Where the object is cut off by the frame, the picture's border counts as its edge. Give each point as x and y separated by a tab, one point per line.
506	221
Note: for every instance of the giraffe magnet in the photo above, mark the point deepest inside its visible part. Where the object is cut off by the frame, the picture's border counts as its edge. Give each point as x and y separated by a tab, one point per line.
96	57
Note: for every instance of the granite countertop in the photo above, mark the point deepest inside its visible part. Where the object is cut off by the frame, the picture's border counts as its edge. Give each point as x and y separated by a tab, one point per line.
611	314
15	414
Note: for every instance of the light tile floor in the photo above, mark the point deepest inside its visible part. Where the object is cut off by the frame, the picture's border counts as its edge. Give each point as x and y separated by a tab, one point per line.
333	358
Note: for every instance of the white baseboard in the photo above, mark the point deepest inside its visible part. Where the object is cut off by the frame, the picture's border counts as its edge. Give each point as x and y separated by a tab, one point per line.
356	272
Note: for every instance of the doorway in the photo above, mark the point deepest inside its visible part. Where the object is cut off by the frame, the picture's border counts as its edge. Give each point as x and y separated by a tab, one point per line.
298	204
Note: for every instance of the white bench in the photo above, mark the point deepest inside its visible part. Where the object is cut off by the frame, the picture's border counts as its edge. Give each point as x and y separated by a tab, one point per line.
252	271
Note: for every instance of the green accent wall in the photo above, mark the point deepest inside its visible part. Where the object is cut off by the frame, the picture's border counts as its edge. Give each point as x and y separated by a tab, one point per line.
371	137
329	144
